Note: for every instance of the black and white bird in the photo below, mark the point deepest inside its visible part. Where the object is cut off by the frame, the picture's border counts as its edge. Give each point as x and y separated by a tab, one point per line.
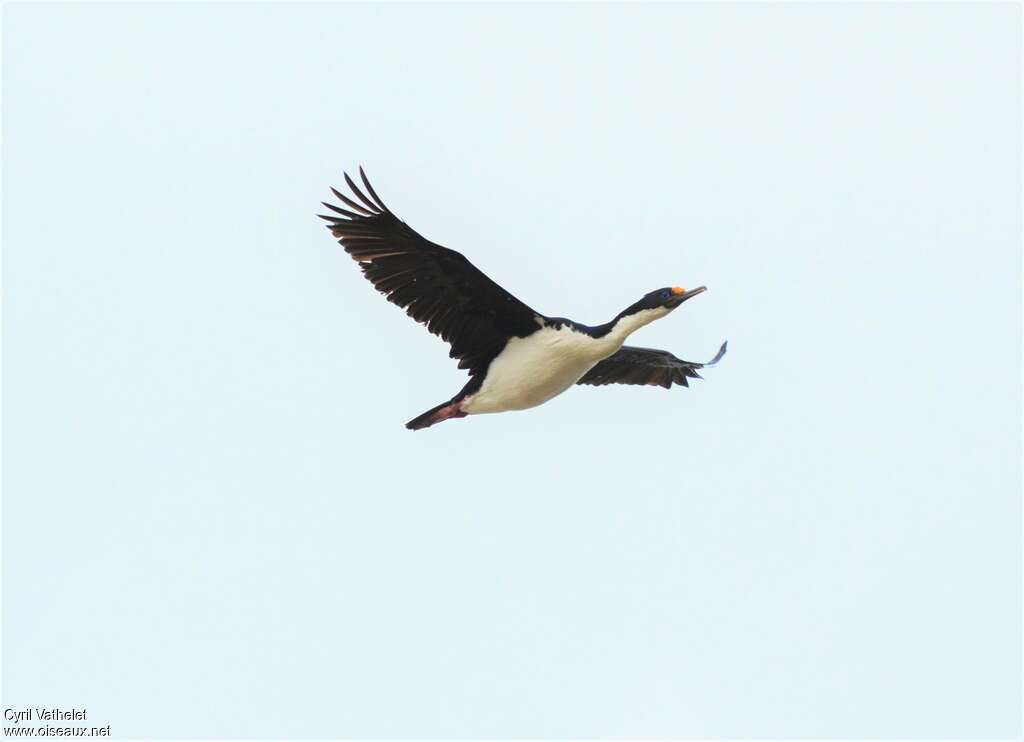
517	358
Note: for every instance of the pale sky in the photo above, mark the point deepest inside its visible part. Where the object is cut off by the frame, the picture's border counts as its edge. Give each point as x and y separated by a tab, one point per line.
214	522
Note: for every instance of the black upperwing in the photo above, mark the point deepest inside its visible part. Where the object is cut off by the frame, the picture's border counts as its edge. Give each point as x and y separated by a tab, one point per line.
646	366
436	286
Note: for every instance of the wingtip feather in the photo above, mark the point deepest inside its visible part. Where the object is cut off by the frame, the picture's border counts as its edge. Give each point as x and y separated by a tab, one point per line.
359	193
719	354
369	188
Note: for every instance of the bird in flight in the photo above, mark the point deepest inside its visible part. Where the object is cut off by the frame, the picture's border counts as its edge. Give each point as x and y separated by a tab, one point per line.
517	358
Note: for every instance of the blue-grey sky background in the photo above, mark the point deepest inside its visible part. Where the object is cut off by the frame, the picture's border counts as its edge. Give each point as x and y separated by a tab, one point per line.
214	522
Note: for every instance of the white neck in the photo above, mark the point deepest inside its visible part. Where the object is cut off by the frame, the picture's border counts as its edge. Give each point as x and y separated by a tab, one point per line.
626	326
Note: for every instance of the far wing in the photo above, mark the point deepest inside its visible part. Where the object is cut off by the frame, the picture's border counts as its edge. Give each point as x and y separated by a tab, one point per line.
646	366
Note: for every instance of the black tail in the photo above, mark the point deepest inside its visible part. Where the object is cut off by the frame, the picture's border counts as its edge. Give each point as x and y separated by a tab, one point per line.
444	411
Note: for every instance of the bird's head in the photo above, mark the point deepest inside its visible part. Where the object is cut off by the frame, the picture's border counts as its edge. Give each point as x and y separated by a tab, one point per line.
669	297
653	306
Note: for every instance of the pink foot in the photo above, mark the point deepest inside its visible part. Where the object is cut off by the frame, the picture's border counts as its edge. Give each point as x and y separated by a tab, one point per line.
439	414
448	411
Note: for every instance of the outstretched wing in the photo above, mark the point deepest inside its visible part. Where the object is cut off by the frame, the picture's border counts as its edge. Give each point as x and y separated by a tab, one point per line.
436	286
646	366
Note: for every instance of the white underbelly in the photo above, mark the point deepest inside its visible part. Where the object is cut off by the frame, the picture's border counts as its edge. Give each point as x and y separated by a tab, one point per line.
532	370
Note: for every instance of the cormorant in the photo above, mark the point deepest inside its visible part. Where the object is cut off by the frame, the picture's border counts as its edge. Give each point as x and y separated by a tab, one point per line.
517	358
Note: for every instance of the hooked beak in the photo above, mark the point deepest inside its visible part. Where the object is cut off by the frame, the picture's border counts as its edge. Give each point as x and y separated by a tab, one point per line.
682	296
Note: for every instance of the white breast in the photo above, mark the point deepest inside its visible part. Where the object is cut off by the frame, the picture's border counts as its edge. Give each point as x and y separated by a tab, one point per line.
532	370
